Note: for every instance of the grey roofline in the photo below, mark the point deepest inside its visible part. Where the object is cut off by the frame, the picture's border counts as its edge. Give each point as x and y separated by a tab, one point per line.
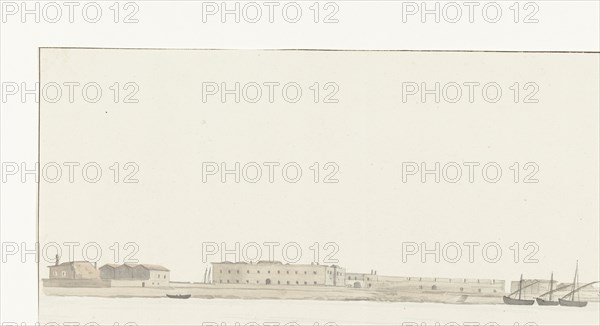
146	266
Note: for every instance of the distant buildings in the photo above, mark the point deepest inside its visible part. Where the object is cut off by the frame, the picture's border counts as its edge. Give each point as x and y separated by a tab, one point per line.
276	273
74	274
74	270
85	274
266	273
360	280
142	275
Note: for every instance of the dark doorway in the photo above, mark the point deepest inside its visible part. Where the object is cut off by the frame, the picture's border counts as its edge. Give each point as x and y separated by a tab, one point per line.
268	281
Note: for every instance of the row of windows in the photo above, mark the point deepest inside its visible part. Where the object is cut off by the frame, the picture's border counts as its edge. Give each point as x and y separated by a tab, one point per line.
268	282
420	279
268	272
434	287
356	278
128	275
449	280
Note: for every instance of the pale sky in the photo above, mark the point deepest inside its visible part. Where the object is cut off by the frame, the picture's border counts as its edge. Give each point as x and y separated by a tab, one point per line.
370	213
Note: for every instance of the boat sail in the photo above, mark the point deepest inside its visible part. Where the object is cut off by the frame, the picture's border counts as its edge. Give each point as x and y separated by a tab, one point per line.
568	300
521	302
549	302
577	290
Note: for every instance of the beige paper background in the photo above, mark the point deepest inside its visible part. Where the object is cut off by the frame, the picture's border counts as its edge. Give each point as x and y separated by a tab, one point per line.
369	134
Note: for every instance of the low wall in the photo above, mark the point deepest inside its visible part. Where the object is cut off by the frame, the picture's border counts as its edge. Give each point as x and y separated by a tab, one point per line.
76	283
134	283
455	285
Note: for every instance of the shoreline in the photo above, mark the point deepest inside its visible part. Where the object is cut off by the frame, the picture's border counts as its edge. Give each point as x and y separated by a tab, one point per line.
318	293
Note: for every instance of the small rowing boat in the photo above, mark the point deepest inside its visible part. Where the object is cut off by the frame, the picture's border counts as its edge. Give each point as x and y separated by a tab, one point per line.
179	296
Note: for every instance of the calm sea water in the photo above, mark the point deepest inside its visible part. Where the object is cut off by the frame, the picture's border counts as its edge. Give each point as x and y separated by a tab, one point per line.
159	311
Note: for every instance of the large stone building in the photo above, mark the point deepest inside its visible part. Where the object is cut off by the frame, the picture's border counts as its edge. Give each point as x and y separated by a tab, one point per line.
142	275
277	273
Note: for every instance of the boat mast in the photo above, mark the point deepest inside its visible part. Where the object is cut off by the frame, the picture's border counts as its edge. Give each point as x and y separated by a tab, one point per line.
578	296
551	285
575	281
579	288
520	286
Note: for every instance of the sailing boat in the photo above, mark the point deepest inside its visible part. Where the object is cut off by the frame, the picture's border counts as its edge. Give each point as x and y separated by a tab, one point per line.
521	302
570	302
548	302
